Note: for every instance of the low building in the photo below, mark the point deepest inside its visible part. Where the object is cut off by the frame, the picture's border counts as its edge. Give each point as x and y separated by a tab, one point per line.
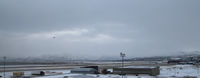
84	70
151	70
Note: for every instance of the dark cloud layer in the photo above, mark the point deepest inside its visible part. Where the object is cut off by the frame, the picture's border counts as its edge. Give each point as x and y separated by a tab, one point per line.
98	27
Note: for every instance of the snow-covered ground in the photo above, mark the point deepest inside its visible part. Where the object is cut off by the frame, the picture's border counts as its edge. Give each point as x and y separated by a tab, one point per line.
165	72
180	70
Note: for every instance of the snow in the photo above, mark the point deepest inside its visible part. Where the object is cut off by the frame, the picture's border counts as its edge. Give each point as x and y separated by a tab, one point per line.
140	67
94	76
180	70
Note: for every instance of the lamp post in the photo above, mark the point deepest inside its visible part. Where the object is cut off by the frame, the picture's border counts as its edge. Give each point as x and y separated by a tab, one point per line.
122	55
4	68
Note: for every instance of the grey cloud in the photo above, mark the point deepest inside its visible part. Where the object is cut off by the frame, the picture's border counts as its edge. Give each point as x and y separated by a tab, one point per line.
140	26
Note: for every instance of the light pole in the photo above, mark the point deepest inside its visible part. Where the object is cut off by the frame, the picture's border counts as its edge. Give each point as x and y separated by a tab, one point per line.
4	68
122	55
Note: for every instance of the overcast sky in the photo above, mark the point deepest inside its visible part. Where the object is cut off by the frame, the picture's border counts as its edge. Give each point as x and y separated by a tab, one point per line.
96	28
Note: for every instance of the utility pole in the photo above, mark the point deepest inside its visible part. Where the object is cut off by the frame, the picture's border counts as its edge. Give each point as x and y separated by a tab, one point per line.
4	68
